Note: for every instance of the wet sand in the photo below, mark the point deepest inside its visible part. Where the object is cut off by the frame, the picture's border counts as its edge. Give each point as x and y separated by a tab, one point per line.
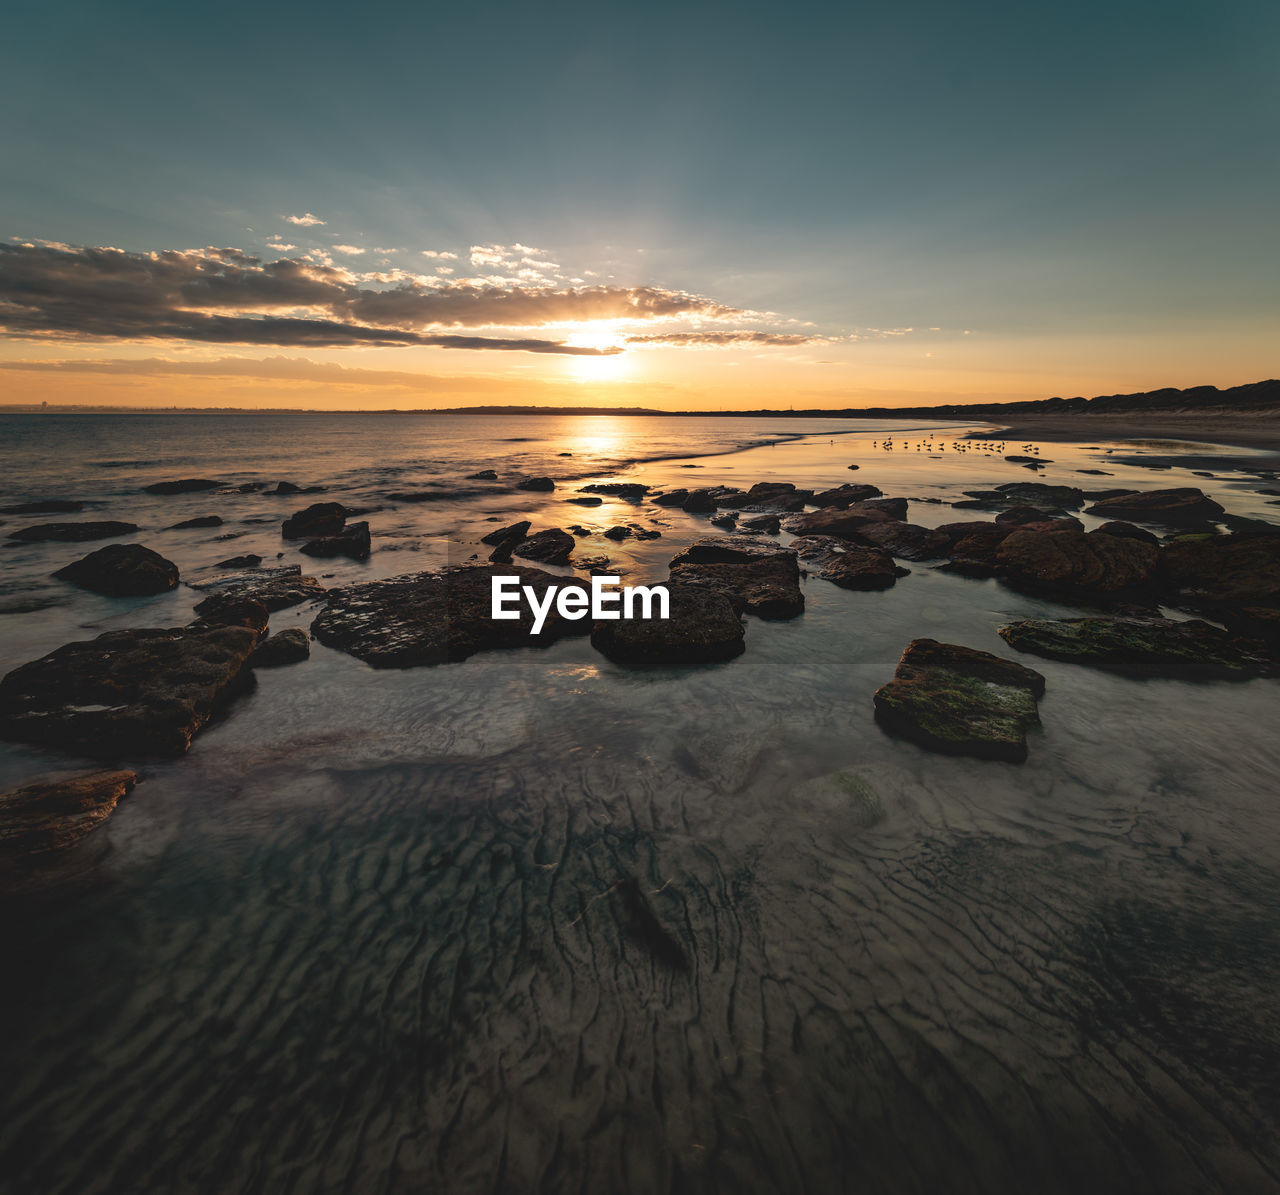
1244	429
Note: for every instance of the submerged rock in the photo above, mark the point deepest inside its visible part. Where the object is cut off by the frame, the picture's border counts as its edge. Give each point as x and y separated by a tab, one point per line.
848	565
186	485
72	533
552	546
138	691
290	646
352	541
483	475
585	500
52	506
122	570
320	518
1175	506
249	560
541	485
703	629
630	490
435	617
960	701
1142	647
766	586
48	817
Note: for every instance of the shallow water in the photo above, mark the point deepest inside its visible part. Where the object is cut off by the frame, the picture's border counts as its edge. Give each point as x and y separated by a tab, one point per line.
373	933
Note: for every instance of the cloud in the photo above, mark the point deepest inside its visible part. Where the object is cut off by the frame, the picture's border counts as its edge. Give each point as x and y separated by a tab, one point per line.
439	254
280	246
307	220
349	250
724	340
226	296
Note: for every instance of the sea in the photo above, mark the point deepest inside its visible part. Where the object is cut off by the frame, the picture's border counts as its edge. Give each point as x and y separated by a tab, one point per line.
377	931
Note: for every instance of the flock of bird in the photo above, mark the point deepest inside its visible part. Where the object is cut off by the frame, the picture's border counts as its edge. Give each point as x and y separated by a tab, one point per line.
929	445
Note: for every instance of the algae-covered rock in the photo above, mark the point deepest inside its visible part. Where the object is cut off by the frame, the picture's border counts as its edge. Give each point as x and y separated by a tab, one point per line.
1141	647
960	701
843	791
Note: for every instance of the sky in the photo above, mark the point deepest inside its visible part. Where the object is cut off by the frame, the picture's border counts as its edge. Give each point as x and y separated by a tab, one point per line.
685	206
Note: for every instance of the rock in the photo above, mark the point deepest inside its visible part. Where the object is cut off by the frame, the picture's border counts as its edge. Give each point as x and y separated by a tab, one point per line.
52	506
513	534
630	490
1076	562
233	609
845	793
202	521
847	565
895	508
353	542
188	485
122	570
1129	531
45	818
833	521
771	496
290	646
541	485
138	691
1019	516
72	533
768	586
853	466
672	498
286	487
726	521
1241	568
483	475
724	550
1255	622
1175	506
585	500
845	495
905	540
1029	493
434	617
702	629
547	547
973	547
699	502
275	588
249	560
960	701
320	518
1148	647
759	525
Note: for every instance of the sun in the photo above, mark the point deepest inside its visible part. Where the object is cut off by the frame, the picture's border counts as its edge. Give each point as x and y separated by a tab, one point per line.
603	368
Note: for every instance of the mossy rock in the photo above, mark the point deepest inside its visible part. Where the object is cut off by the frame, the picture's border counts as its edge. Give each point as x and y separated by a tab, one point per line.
844	790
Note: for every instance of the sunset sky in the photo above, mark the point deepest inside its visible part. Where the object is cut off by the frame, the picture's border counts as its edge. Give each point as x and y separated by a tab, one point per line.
685	206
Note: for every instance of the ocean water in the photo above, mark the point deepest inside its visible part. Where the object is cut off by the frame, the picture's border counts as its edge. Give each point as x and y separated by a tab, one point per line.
373	932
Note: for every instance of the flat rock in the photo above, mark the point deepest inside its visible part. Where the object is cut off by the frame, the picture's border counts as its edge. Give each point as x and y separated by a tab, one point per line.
122	570
233	608
845	495
760	524
847	565
290	646
767	586
1071	561
200	521
724	550
53	506
275	588
959	701
248	560
1243	567
547	547
1148	647
1129	531
834	521
1030	493
631	490
318	519
483	475
541	485
72	533
137	691
586	500
703	629
672	498
45	818
1176	506
352	541
434	617
185	485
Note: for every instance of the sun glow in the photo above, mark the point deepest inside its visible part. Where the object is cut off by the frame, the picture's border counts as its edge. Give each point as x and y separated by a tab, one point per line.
607	367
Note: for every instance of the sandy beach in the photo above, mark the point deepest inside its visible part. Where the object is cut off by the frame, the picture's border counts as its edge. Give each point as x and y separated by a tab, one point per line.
1244	429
